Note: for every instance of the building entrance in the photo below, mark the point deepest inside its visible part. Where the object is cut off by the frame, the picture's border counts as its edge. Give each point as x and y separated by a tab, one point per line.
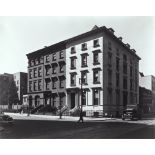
72	100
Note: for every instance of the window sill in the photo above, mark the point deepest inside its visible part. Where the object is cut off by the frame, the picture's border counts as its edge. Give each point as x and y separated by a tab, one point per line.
84	83
84	66
97	83
96	46
83	49
96	63
72	52
73	85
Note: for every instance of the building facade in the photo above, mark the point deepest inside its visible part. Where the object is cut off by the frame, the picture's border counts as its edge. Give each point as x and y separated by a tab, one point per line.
145	100
148	82
100	63
8	91
20	79
46	76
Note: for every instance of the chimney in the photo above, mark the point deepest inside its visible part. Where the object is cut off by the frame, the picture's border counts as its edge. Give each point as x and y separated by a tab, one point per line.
111	30
120	38
95	27
128	45
133	50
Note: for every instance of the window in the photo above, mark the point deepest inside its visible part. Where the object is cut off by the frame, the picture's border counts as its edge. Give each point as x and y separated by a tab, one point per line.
39	85
117	79
73	63
109	45
136	80
73	50
54	69
96	97
39	71
96	77
84	77
96	59
124	83
117	64
54	56
109	77
35	85
47	70
61	68
73	79
54	83
36	61
35	72
54	100
30	86
47	84
61	54
84	47
32	62
131	71
131	84
84	60
41	59
96	43
84	98
117	97
124	57
61	83
47	58
117	52
30	74
124	67
61	100
109	97
109	59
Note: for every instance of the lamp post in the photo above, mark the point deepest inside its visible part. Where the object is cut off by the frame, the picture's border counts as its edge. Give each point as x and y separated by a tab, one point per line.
81	82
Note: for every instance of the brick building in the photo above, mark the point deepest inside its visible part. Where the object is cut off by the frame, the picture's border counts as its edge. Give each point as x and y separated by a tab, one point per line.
108	69
46	76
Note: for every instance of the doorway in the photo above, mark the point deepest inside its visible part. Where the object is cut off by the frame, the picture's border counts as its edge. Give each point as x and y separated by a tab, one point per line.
72	100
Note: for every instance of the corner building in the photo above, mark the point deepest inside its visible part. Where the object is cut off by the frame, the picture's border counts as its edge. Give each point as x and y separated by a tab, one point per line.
108	68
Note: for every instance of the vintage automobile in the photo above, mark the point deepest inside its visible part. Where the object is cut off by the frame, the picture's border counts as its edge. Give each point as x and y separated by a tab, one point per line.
5	118
131	114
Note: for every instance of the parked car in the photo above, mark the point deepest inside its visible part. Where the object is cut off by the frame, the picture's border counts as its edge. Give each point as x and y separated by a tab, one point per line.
131	114
5	118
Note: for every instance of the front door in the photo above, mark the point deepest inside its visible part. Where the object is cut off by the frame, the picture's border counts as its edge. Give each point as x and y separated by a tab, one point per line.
72	100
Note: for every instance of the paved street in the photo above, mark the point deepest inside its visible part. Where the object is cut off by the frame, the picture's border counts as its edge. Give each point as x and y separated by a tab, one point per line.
42	127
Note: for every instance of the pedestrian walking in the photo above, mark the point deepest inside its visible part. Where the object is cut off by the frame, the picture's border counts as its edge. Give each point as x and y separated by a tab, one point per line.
81	117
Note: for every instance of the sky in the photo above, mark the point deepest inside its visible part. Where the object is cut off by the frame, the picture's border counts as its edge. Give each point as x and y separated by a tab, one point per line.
22	35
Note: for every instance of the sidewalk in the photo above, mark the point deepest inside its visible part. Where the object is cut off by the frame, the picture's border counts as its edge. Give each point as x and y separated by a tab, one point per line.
18	116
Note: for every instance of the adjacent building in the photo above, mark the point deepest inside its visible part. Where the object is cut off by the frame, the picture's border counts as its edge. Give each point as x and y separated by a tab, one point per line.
107	68
47	76
20	79
8	92
145	100
148	82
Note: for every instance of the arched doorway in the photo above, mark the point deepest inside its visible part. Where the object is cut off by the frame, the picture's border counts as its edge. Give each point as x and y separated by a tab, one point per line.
37	101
